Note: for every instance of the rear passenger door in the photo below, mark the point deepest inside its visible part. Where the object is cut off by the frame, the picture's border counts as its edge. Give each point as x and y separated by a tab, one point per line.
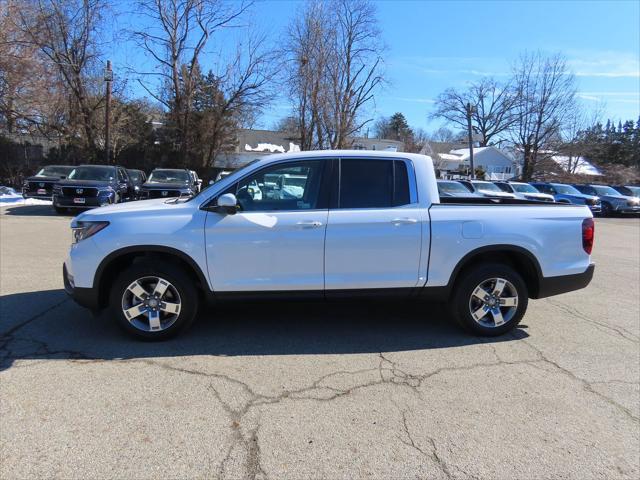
373	237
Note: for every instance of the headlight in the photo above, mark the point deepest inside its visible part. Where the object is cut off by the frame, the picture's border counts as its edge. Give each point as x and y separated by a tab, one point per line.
81	230
136	188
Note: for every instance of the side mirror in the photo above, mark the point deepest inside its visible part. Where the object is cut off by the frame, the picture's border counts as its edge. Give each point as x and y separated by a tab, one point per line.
227	203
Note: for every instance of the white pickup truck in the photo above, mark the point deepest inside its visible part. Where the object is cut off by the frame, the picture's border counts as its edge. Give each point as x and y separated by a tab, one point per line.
356	224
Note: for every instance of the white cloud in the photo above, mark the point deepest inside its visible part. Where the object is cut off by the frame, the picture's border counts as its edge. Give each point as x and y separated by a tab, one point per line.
609	64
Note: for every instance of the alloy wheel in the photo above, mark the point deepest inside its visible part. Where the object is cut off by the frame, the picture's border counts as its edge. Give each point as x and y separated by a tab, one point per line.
151	304
493	302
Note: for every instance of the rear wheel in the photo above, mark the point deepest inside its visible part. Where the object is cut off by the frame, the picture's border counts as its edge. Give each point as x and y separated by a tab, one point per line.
489	300
154	301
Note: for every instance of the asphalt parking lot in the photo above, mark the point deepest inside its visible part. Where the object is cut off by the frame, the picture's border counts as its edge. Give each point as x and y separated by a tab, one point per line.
290	391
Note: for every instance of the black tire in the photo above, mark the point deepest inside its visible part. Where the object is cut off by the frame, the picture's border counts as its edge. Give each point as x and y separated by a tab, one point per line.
60	210
607	211
177	277
461	300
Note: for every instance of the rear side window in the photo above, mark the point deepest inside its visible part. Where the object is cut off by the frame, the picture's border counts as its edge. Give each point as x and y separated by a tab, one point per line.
373	183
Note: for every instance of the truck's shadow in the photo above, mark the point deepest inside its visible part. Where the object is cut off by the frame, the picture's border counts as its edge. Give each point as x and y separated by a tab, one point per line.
61	330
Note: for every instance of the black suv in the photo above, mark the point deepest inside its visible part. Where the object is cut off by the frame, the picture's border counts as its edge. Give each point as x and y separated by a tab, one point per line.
169	182
138	177
41	184
91	186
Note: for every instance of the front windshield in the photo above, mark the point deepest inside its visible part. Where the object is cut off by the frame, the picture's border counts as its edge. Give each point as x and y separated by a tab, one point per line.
603	191
487	186
134	175
96	173
452	187
524	188
566	189
54	171
169	176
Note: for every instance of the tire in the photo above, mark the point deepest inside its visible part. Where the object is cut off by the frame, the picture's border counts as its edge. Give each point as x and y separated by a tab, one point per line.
607	211
60	210
465	299
180	291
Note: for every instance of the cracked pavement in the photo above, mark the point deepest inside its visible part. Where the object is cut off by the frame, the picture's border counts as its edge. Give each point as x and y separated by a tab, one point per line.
303	390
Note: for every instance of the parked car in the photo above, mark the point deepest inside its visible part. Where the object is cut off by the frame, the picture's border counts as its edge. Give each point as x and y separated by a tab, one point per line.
348	231
169	182
486	189
563	193
137	177
89	186
613	202
524	191
629	190
452	188
41	184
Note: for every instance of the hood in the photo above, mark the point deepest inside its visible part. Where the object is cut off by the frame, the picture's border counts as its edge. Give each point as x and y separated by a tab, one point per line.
85	183
35	178
460	195
537	195
491	193
165	186
578	195
617	198
139	206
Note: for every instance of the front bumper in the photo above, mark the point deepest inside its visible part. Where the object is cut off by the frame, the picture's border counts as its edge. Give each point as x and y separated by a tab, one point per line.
89	202
26	195
85	297
549	286
595	208
627	209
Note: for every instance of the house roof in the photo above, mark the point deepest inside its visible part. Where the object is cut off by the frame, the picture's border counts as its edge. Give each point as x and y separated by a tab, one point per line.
577	165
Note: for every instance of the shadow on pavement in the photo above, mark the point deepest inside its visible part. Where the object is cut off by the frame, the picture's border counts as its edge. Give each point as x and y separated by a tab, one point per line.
65	331
33	211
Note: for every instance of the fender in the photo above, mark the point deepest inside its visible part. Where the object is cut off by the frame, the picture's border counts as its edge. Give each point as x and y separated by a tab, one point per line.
443	292
106	261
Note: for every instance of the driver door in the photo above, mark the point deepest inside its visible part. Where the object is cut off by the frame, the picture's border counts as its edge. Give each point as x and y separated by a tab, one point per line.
275	242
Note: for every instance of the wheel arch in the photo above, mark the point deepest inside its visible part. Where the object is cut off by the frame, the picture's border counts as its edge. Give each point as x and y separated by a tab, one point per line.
521	259
113	263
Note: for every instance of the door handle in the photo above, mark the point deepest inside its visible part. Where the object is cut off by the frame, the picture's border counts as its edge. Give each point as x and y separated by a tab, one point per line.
314	224
404	221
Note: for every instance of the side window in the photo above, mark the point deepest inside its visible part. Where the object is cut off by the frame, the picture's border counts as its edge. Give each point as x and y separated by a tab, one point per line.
290	186
373	183
121	175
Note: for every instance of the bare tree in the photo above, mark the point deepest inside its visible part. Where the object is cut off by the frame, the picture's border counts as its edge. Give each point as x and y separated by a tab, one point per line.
570	142
308	45
176	41
493	109
546	100
65	33
334	69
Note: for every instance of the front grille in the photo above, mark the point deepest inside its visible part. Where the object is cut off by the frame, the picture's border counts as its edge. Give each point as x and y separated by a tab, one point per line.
160	193
35	186
80	192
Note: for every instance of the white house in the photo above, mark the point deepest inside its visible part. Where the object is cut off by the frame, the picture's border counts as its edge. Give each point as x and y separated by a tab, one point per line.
496	163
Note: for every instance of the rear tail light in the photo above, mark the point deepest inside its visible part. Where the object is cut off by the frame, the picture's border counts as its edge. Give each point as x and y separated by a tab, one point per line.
588	233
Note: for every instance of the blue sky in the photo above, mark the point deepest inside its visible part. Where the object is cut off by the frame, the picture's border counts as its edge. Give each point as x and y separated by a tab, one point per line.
432	45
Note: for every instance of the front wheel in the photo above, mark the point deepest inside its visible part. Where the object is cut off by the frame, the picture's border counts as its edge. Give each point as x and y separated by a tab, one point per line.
489	300
154	301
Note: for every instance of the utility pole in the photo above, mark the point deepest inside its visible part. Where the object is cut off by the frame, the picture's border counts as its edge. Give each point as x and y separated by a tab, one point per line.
108	78
470	111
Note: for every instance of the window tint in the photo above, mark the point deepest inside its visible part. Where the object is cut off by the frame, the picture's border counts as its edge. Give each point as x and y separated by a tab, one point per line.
373	183
290	186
